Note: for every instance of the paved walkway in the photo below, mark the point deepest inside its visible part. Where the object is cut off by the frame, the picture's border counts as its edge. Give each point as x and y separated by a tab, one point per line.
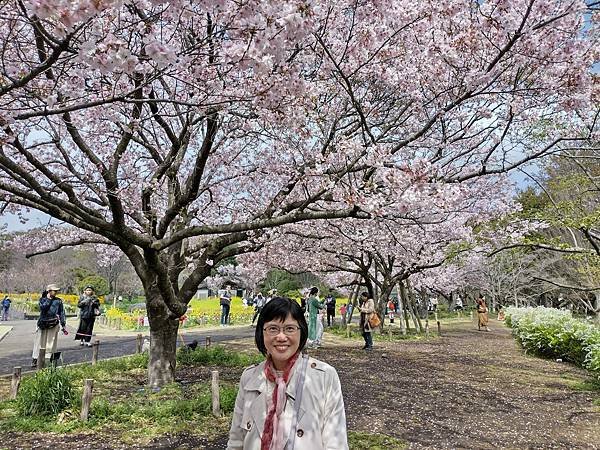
17	345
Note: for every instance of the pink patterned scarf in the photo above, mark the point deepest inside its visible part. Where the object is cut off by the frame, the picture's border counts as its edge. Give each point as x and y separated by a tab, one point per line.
273	432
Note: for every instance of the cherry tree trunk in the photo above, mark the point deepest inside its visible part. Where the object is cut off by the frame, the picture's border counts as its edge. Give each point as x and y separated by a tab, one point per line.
163	346
409	307
382	301
163	341
413	304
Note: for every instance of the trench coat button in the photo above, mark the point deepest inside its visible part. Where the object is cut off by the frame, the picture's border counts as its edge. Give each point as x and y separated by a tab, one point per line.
300	433
313	365
248	426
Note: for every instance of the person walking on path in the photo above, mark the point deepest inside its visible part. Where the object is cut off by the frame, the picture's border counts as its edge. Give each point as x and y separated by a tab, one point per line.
5	307
90	308
289	400
225	306
330	304
314	305
52	315
482	314
259	303
367	309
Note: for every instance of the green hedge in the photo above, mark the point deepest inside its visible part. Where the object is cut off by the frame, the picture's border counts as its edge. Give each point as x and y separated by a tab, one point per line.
554	333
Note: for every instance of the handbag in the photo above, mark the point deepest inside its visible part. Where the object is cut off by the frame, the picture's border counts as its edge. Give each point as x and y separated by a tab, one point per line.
374	320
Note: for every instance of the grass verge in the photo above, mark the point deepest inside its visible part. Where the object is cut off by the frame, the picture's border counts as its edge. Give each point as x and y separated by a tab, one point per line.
122	403
368	441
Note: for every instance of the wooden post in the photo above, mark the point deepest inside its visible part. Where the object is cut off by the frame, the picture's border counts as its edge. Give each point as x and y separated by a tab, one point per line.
439	325
216	400
15	383
390	331
207	343
427	325
86	398
95	347
348	331
138	343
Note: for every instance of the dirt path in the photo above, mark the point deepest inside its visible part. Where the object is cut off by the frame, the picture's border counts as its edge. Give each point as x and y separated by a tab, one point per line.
470	389
467	390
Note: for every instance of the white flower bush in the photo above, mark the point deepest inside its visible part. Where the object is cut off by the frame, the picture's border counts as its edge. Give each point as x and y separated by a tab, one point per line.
555	333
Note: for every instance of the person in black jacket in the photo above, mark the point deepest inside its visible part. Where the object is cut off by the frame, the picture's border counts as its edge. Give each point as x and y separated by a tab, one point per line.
330	304
90	308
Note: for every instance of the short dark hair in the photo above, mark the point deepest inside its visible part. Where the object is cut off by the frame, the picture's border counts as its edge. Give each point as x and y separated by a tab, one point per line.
278	309
364	294
313	290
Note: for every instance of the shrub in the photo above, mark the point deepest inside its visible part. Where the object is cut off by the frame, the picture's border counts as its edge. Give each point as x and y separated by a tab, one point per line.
49	391
555	333
100	284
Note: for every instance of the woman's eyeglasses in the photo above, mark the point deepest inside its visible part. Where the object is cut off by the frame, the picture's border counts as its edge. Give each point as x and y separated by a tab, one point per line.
288	330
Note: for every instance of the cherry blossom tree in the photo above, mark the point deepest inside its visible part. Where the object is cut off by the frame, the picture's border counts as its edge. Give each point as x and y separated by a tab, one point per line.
428	231
181	132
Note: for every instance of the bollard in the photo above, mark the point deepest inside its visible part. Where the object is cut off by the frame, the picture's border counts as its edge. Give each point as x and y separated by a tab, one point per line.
86	398
95	351
439	325
390	332
15	383
216	400
138	343
207	341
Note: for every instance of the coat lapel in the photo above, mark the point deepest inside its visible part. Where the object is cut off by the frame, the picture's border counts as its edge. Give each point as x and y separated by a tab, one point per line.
258	384
258	406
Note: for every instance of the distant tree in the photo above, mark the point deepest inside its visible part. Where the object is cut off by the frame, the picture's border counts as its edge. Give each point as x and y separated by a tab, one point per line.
99	284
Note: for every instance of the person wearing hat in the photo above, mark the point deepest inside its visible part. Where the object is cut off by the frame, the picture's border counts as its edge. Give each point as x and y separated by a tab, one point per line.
90	308
52	315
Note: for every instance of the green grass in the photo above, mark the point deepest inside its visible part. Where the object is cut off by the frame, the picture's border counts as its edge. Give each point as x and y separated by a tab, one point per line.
143	413
591	385
216	356
367	441
396	335
121	402
48	392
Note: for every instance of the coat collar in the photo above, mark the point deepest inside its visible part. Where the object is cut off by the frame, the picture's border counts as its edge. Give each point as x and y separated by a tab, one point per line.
258	380
258	383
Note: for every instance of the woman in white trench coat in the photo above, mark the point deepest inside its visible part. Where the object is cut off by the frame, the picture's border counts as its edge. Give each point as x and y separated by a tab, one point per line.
290	401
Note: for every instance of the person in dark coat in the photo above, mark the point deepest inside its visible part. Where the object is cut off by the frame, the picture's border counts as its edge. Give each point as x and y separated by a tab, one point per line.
90	308
330	305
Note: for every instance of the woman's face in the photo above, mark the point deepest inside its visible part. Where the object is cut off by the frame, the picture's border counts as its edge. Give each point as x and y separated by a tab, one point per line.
284	344
88	292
